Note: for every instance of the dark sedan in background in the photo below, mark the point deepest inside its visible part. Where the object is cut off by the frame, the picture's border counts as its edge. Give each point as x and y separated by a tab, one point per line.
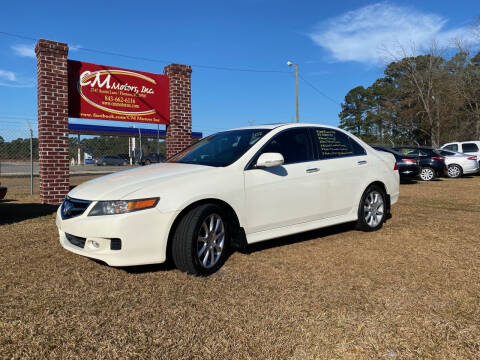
105	160
432	164
408	167
152	158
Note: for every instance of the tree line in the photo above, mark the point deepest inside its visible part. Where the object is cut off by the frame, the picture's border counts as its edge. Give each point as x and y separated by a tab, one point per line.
427	99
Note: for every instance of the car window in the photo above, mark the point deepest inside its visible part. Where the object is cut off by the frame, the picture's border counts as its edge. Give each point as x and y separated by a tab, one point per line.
469	147
453	147
408	151
333	143
221	149
293	144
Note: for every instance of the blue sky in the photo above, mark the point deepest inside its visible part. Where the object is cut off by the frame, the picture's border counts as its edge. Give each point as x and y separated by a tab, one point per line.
338	45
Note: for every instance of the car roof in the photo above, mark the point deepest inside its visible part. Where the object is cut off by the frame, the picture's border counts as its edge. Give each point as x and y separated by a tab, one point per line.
274	126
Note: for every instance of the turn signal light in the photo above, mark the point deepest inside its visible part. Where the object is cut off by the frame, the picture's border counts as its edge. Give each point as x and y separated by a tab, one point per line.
409	161
438	158
141	204
472	158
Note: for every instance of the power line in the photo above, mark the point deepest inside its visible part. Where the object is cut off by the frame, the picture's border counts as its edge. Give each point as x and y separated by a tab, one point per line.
162	61
17	36
318	91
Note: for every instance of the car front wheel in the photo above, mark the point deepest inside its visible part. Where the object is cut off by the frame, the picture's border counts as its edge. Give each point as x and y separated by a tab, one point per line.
372	209
201	240
427	174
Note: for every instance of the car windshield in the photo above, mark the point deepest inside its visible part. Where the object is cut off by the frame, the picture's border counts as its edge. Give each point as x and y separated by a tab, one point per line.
221	149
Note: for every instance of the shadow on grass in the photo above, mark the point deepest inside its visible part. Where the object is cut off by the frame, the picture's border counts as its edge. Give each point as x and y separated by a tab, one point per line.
142	269
298	238
408	181
249	249
12	212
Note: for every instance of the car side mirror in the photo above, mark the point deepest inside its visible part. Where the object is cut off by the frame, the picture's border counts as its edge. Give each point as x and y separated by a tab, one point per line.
267	160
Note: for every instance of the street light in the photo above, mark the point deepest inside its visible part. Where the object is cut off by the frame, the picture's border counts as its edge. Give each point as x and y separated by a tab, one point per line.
289	63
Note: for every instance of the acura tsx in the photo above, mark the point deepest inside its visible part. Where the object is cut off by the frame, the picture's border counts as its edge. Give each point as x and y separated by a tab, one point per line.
229	190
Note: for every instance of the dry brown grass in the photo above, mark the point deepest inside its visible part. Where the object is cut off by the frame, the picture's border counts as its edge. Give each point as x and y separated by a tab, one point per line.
408	291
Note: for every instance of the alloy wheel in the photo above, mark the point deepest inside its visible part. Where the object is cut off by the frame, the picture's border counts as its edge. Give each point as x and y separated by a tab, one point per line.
374	209
427	174
210	241
453	171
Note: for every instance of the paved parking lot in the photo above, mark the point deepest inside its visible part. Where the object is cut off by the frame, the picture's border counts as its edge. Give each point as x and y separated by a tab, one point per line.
408	291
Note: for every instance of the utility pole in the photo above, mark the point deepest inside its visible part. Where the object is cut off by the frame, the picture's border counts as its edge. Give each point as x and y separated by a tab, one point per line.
289	63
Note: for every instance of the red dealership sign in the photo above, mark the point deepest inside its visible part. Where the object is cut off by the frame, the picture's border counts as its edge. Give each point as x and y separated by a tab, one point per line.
110	93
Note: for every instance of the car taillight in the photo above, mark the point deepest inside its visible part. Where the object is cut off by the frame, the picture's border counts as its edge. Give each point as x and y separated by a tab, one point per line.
395	167
439	158
409	161
472	158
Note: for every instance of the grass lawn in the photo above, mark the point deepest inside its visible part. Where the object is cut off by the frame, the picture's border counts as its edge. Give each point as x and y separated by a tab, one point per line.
408	291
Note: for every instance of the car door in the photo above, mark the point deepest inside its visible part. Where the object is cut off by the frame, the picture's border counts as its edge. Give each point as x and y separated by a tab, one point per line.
343	168
282	195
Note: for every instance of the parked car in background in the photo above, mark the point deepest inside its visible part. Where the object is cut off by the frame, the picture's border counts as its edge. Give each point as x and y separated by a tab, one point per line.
466	147
459	164
432	164
230	189
408	167
125	157
105	160
152	158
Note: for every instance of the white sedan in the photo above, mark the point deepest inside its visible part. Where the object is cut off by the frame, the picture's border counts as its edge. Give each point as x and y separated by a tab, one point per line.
231	189
459	164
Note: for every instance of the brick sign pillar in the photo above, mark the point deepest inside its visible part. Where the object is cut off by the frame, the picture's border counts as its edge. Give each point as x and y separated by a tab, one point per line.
52	93
179	131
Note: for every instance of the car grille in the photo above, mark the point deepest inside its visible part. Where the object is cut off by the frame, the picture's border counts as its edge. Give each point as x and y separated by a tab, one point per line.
73	207
75	240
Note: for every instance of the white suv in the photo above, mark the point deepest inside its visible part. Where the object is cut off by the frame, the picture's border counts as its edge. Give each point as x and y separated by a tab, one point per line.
230	189
466	147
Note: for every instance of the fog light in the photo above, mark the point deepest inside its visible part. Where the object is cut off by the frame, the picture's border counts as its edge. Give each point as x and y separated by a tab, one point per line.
93	244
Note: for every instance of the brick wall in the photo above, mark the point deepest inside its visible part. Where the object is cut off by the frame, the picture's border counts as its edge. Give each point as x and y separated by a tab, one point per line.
52	96
179	131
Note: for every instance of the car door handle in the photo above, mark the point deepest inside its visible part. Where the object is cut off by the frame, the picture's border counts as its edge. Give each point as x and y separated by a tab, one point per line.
312	170
362	162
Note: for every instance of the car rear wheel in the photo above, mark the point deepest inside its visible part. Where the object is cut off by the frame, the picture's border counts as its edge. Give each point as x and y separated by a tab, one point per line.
454	171
427	173
372	209
201	240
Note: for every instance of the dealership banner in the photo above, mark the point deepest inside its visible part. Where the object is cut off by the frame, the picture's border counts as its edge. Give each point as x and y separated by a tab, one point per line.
109	93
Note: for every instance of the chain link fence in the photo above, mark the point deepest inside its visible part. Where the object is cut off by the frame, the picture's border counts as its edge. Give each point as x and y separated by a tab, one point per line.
19	157
90	155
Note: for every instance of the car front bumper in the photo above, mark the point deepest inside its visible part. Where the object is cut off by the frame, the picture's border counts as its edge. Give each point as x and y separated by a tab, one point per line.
143	236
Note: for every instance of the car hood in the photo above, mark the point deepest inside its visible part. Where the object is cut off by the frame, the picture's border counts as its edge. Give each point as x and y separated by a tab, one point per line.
119	185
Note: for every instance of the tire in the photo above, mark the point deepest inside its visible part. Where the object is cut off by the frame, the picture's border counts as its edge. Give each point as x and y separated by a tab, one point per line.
454	171
147	162
197	250
373	199
427	174
104	163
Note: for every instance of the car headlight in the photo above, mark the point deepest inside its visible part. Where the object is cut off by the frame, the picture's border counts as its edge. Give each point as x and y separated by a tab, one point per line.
122	206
